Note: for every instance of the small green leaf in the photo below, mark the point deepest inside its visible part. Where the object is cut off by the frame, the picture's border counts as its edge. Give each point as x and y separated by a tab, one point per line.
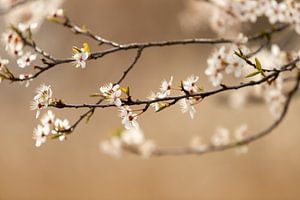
258	64
162	106
95	95
126	91
252	74
259	67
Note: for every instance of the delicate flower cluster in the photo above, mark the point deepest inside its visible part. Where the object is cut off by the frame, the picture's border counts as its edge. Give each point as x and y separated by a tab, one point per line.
26	60
274	97
228	13
50	127
224	60
32	12
165	91
272	93
189	86
132	140
42	99
80	55
113	92
13	43
222	137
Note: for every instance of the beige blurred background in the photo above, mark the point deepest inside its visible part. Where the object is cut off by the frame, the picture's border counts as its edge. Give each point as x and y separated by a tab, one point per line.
76	169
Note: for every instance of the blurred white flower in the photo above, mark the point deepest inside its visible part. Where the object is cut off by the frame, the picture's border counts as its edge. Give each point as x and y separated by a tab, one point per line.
221	137
26	60
197	144
13	43
40	135
27	27
133	136
48	119
155	105
187	107
147	148
216	64
239	135
32	13
60	126
26	78
112	147
3	62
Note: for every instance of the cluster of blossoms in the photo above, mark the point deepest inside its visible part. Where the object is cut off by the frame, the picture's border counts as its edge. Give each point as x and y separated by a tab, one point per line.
132	140
14	45
271	92
223	137
31	12
189	86
23	20
112	93
225	60
229	13
50	127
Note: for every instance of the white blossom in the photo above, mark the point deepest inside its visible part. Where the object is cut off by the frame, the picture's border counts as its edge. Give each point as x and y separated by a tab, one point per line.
13	43
147	148
27	78
128	118
26	60
197	144
112	93
48	119
187	107
59	13
81	55
156	105
189	85
24	27
239	135
50	127
32	12
112	147
40	135
60	126
221	137
165	89
235	65
216	64
42	99
133	136
3	62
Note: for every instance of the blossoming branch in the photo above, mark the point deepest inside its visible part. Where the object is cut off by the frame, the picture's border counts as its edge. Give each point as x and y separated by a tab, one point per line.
261	66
